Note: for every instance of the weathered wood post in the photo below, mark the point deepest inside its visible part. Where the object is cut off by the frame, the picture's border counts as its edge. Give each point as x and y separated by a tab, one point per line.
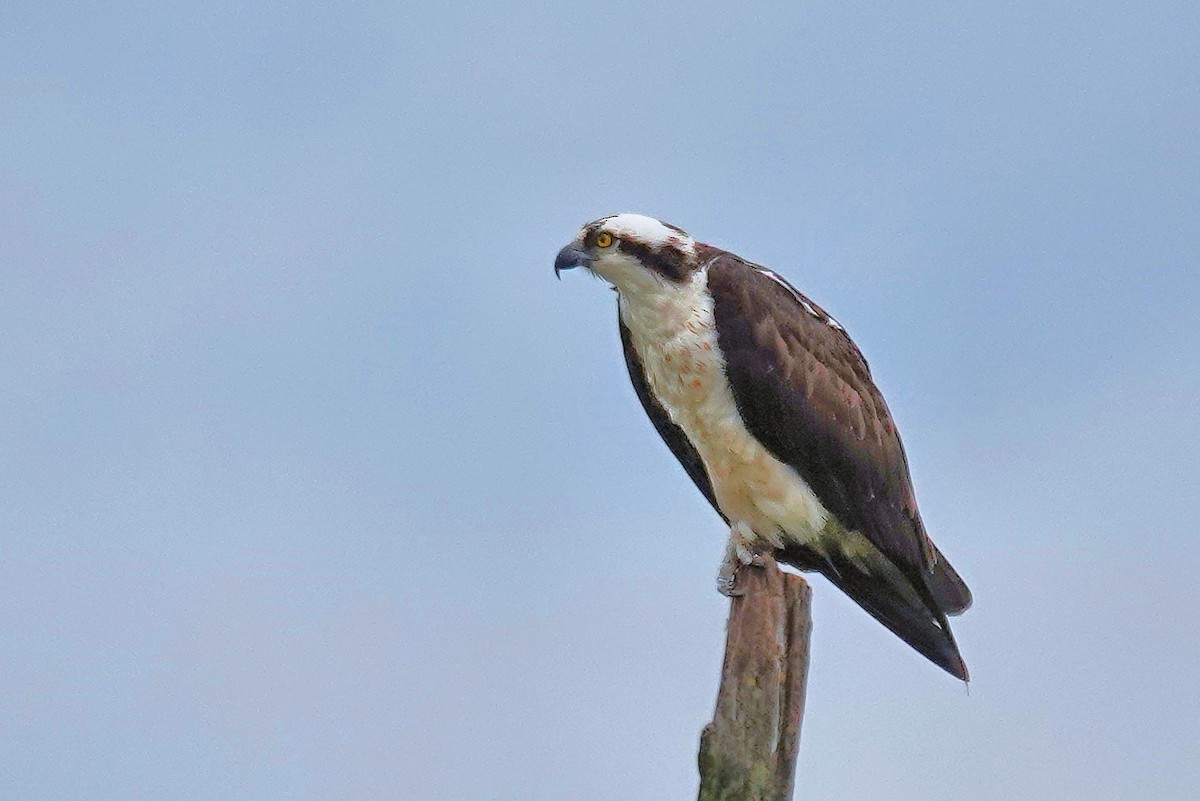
748	751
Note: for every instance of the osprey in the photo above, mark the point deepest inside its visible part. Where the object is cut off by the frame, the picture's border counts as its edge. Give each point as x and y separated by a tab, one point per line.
771	410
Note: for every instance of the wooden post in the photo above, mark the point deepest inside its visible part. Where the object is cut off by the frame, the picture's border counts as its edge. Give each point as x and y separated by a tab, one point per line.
748	752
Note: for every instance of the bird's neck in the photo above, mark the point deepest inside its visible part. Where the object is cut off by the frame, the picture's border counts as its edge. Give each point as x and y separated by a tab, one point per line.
667	310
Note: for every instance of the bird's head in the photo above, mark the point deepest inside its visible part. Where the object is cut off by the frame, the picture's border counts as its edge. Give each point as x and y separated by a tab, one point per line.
632	252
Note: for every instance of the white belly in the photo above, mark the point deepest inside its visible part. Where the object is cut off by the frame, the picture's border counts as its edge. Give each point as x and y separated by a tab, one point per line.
675	336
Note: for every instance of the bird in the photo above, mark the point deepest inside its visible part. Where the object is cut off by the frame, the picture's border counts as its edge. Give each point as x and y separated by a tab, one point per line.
770	408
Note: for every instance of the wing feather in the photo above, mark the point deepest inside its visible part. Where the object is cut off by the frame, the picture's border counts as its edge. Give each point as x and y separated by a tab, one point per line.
805	391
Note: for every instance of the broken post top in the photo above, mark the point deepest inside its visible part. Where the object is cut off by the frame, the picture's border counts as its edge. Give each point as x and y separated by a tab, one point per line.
748	751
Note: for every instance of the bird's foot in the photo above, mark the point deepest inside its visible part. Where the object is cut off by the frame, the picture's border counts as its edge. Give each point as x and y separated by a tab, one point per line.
739	553
726	583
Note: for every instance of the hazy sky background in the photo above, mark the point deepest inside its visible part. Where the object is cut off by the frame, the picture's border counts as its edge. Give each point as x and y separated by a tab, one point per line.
316	485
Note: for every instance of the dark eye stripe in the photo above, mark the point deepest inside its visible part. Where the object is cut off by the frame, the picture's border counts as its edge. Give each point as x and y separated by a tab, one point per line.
668	262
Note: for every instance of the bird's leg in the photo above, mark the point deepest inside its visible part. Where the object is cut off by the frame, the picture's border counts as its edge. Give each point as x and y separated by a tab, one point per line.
739	551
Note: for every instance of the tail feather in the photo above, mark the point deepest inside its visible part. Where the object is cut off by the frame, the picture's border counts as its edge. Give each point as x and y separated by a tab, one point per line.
950	592
912	609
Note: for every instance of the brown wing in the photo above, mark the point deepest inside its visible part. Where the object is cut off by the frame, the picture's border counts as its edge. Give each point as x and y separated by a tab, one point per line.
805	391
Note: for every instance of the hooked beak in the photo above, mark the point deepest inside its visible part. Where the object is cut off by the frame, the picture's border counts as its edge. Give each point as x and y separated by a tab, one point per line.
570	257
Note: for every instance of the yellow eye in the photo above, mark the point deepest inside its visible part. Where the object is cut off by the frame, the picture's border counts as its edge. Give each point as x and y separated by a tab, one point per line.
604	239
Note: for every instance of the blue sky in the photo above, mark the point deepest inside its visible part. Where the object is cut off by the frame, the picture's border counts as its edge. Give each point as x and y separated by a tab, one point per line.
315	484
